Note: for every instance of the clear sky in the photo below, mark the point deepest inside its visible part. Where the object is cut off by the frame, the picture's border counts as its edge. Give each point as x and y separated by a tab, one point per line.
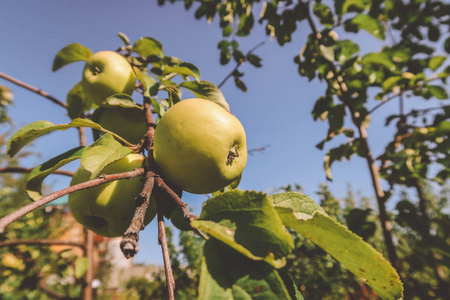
275	111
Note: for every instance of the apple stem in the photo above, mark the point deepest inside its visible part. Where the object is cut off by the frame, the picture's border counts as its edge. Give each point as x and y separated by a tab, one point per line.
148	143
232	154
96	71
129	244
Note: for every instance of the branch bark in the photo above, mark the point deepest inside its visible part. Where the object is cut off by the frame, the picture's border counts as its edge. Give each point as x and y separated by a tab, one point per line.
8	219
28	170
345	97
41	242
89	254
129	244
162	240
238	65
33	89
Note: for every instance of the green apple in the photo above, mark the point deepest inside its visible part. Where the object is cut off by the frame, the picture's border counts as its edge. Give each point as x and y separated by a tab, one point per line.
108	209
178	220
107	73
199	146
129	123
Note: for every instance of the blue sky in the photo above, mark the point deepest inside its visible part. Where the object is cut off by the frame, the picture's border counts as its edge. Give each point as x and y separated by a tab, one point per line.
275	111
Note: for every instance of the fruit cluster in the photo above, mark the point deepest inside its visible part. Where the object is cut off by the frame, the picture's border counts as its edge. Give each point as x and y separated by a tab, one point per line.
198	146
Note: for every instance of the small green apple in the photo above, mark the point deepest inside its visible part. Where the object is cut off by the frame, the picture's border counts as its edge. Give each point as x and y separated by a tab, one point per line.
107	73
200	146
108	209
178	220
129	123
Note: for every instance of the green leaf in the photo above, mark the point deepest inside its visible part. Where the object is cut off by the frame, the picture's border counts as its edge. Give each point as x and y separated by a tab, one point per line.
81	266
324	14
76	102
337	154
254	60
240	84
69	54
303	207
291	286
327	52
150	85
447	45
124	38
436	61
148	46
36	129
370	25
100	154
226	274
245	24
247	222
359	257
227	31
122	100
438	92
184	69
390	82
433	33
206	90
321	107
352	5
38	174
379	58
157	108
345	49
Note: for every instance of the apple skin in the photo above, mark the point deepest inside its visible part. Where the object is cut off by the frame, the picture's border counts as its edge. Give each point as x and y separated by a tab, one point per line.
107	73
108	209
178	220
192	145
129	123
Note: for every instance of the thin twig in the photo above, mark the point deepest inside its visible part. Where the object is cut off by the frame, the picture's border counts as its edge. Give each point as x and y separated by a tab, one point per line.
161	185
129	244
33	89
162	240
82	136
166	192
401	92
238	65
384	101
28	170
259	149
41	242
8	219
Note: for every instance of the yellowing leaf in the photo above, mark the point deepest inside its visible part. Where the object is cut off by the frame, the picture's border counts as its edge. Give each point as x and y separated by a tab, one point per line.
348	248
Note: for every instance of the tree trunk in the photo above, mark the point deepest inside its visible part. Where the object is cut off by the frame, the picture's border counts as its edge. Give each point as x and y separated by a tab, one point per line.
89	254
379	193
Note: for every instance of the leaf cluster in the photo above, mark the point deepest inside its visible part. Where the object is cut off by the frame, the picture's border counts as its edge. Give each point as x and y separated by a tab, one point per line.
34	263
247	240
